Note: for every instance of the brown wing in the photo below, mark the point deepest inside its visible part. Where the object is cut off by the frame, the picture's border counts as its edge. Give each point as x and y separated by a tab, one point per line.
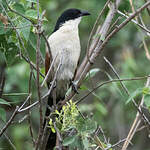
48	60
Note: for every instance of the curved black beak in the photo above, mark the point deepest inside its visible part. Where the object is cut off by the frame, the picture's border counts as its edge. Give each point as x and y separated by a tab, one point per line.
85	13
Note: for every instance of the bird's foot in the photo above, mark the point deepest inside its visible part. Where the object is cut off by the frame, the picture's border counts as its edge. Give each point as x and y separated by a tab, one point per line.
74	87
54	85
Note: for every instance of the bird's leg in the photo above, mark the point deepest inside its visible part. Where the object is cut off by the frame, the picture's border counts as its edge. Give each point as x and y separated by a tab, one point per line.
50	83
74	87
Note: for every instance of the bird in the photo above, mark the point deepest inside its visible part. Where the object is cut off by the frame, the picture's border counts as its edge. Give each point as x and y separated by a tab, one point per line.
65	48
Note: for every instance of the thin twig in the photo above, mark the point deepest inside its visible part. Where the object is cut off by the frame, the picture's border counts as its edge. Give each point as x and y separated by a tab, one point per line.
18	13
136	122
116	144
38	141
141	26
9	121
95	25
10	142
29	112
110	81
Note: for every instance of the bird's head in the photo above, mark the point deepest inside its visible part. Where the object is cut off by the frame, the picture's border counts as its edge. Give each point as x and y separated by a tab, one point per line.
70	16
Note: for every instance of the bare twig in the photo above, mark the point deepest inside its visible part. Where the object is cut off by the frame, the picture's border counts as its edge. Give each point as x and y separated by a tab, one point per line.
136	122
141	26
10	142
29	112
126	90
110	81
38	141
95	25
116	144
9	121
18	13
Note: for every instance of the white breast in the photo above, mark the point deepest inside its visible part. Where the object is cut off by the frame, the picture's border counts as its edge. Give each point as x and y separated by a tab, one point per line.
65	44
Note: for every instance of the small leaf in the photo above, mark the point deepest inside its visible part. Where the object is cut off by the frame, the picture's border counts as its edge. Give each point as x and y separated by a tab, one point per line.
134	94
69	140
85	143
32	14
147	100
2	101
101	108
19	8
53	129
83	87
3	114
102	38
146	90
11	53
92	73
26	30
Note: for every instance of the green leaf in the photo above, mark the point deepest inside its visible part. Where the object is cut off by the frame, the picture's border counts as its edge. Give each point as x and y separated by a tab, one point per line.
19	8
135	94
146	90
85	143
2	101
33	40
3	114
11	53
26	30
147	100
32	14
83	87
92	73
102	38
69	140
101	108
90	125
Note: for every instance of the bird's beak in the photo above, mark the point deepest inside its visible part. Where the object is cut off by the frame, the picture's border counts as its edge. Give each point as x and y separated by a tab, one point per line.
85	13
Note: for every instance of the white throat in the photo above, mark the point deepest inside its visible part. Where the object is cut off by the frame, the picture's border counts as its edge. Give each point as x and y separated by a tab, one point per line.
71	24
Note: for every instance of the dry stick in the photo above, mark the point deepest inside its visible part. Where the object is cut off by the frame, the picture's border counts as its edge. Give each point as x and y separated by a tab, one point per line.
110	81
17	110
148	8
10	142
31	64
29	112
85	66
38	141
9	121
116	144
95	25
136	122
46	134
102	44
141	26
126	90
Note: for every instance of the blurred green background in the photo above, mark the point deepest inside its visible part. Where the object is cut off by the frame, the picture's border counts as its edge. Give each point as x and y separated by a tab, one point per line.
108	104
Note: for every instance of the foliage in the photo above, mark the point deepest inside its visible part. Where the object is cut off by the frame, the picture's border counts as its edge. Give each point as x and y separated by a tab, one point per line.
106	106
77	131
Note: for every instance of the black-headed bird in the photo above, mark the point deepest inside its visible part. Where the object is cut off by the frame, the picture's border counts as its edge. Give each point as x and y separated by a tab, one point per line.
65	49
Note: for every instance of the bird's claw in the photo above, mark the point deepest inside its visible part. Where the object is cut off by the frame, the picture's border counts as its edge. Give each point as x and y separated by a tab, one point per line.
74	87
